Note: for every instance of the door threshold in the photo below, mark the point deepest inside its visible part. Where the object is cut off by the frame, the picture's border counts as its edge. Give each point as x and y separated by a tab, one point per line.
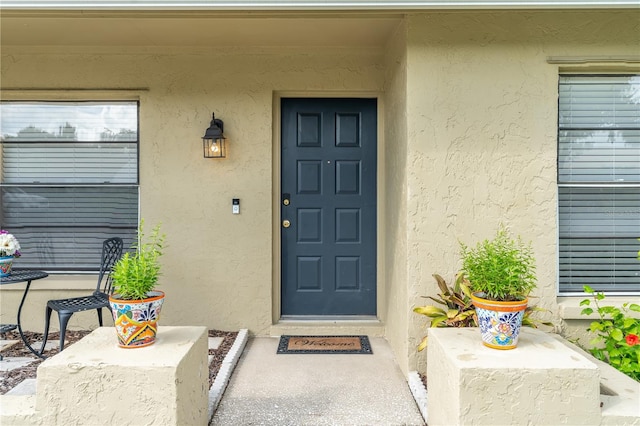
330	318
322	325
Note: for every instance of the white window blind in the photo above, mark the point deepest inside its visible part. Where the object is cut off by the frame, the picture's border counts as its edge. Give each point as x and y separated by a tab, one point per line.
599	183
69	179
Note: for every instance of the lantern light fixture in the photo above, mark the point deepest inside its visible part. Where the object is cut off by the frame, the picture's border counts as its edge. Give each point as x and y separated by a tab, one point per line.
213	141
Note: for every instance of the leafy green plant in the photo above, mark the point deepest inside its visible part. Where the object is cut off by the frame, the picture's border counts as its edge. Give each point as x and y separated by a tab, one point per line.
528	320
617	334
503	268
135	275
457	309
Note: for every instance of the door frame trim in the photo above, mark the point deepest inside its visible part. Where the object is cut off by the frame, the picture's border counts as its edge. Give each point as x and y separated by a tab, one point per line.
276	292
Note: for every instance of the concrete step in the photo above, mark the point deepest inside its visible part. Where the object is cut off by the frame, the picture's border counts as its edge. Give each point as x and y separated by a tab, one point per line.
11	363
26	387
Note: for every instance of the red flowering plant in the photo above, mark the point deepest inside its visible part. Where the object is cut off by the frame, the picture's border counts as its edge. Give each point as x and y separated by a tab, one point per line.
617	340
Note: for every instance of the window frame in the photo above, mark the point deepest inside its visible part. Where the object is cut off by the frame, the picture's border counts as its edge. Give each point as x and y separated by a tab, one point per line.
135	186
594	184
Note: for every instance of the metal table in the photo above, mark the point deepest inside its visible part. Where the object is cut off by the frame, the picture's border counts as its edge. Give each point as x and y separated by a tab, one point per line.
18	276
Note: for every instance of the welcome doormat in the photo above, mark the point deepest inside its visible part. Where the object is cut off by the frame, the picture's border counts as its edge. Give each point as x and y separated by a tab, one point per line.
324	345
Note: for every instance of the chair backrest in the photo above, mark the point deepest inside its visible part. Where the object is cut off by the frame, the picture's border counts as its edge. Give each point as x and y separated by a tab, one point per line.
111	252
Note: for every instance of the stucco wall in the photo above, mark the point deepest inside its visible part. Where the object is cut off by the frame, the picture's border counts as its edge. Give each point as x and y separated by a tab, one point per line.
83	385
469	141
395	181
219	265
482	116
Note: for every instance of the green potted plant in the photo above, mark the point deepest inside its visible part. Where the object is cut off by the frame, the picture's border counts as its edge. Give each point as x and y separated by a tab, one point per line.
135	303
501	273
456	308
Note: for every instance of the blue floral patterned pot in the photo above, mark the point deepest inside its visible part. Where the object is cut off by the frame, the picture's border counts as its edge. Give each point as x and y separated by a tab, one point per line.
499	322
6	262
136	320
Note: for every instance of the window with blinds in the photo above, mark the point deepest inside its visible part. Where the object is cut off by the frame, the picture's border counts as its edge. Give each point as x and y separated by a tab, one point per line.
69	180
599	183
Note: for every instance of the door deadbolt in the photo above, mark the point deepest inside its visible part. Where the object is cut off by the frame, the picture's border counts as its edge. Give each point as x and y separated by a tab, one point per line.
286	223
285	201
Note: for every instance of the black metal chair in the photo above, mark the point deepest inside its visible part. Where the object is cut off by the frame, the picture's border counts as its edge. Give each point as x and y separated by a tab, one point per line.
111	252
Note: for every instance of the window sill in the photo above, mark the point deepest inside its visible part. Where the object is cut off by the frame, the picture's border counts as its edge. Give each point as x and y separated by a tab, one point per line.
569	307
57	282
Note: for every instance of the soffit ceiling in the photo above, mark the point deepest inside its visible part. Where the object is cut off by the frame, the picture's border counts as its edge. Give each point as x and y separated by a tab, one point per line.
194	30
308	4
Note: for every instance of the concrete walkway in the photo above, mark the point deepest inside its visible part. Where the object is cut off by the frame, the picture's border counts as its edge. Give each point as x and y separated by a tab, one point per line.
271	389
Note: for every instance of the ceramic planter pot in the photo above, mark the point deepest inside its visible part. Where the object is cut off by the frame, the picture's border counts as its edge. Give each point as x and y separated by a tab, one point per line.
5	265
136	320
499	322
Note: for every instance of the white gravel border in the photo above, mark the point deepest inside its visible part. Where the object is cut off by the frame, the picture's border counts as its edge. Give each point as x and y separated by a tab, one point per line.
419	393
224	374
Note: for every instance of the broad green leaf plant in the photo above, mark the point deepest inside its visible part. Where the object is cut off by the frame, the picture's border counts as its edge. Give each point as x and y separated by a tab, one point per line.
617	334
457	310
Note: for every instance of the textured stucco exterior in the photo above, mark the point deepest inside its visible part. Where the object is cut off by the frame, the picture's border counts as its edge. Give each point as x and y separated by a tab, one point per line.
482	114
395	181
224	261
468	104
94	381
547	383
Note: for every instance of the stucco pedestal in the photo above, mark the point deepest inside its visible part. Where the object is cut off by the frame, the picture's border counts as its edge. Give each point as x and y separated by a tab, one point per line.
96	382
541	382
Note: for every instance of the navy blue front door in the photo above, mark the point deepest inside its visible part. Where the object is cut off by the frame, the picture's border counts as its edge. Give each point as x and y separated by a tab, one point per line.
328	206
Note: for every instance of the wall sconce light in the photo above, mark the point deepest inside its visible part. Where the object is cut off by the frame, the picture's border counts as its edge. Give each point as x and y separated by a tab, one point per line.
213	141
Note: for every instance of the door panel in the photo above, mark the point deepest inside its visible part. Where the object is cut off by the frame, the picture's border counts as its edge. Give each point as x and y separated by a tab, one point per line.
329	179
